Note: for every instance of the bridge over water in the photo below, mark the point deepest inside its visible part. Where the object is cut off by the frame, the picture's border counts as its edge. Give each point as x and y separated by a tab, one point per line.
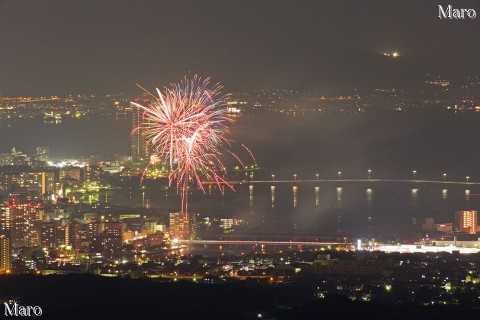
296	185
263	242
353	181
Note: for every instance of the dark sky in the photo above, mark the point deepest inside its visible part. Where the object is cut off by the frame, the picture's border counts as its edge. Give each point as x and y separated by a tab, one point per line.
57	47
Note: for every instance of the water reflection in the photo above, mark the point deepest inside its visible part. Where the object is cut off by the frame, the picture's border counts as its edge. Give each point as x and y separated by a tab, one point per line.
295	189
250	188
369	196
344	208
414	195
339	197
272	194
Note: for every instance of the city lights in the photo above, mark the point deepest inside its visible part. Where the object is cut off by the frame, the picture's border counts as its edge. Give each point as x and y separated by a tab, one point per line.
133	186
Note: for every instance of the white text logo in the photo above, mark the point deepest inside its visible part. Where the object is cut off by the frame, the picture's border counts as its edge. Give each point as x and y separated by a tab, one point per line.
17	310
452	13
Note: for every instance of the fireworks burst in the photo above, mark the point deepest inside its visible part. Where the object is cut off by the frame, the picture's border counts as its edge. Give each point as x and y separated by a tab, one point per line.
186	125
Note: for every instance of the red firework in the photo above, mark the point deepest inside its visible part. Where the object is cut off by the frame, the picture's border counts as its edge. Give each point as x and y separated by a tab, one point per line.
186	126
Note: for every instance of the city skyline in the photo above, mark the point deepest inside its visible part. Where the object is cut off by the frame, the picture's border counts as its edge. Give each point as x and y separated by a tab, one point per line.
239	159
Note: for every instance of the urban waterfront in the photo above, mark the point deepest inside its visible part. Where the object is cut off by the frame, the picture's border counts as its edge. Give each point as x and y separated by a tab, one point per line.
239	160
318	208
336	207
333	212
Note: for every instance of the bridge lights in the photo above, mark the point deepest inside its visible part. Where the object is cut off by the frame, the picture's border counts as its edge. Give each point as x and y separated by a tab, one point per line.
339	174
444	177
414	174
468	178
369	173
295	177
317	175
273	177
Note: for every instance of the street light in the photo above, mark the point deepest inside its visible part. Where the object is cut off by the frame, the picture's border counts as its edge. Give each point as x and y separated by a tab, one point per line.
369	173
273	177
251	177
339	174
295	176
468	178
414	174
317	175
444	177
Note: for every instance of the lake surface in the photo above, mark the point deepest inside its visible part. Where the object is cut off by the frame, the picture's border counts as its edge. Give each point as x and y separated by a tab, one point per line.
391	144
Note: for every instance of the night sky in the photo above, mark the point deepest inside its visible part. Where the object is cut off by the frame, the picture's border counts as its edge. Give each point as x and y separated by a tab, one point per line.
58	47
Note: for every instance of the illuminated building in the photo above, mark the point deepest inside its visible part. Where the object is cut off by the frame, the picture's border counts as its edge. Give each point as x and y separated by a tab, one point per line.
23	179
48	234
42	153
63	234
5	219
193	221
128	235
466	221
139	146
150	226
92	231
129	216
161	227
76	236
179	226
71	172
443	227
20	222
440	83
5	249
14	158
90	217
112	235
226	223
6	159
155	239
92	173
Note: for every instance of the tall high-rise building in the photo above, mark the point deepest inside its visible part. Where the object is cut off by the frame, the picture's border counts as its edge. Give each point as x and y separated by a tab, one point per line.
5	249
466	221
193	221
5	219
139	146
19	221
179	226
183	226
48	234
